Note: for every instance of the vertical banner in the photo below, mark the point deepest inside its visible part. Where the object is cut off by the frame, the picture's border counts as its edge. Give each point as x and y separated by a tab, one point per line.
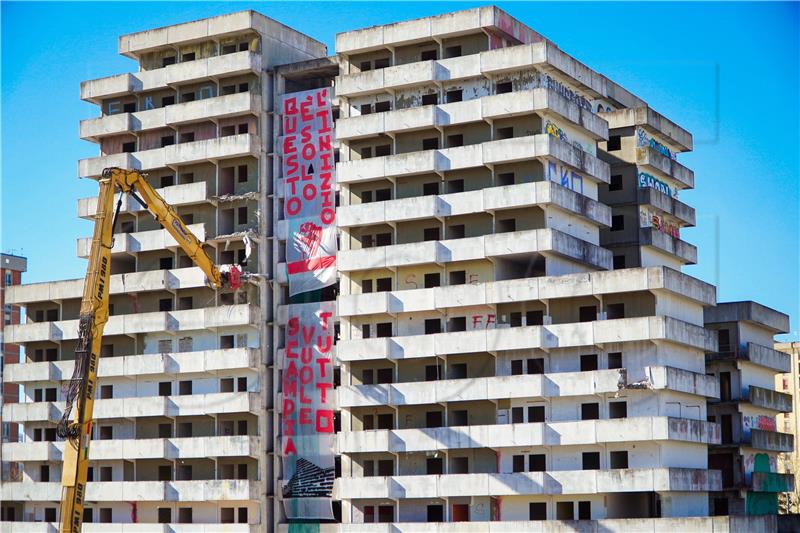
307	411
309	178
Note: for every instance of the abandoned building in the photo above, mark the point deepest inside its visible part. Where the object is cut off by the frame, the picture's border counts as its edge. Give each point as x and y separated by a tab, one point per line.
516	340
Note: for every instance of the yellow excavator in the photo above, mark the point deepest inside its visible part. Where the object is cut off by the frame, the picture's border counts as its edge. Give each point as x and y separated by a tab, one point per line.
80	389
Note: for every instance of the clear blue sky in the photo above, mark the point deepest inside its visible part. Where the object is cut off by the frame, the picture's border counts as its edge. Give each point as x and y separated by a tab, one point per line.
727	72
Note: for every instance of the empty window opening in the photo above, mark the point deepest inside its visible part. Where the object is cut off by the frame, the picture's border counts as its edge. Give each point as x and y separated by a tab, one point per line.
506	226
384	329
614	311
504	133
503	87
537	462
432	143
459	277
164	515
505	178
431	234
452	51
433	280
455	140
590	460
618	459
455	186
617	409
537	511
430	99
429	55
433	325
430	189
590	411
588	362
455	95
565	511
587	313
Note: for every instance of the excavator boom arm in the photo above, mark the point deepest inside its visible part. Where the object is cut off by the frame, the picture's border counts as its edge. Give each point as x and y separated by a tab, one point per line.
80	390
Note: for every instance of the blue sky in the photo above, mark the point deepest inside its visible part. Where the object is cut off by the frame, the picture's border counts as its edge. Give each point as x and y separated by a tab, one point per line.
727	72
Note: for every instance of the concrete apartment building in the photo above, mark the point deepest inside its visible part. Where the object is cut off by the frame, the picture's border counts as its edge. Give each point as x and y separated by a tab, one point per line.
183	427
789	383
493	365
517	342
11	269
746	365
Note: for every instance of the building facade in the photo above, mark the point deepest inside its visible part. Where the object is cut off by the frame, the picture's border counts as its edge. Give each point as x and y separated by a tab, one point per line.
494	366
748	405
183	421
11	269
789	383
516	340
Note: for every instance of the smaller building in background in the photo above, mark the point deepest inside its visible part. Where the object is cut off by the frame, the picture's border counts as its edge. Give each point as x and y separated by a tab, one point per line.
751	441
11	269
789	383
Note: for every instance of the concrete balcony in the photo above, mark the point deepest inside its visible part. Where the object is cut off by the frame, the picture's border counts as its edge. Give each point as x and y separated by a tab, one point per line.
756	354
143	491
488	388
131	449
462	157
655	123
186	320
411	31
583	432
141	527
770	399
141	241
133	366
519	290
563	384
651	160
242	145
150	280
522	57
133	407
716	524
530	483
773	441
215	108
175	195
748	311
96	91
655	328
543	193
665	243
667	205
772	482
516	243
486	108
207	29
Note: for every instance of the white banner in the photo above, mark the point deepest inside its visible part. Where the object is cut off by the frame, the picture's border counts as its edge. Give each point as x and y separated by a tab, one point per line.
309	182
307	411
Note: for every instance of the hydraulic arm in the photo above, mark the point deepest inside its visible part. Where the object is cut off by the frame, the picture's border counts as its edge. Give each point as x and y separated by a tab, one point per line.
80	390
